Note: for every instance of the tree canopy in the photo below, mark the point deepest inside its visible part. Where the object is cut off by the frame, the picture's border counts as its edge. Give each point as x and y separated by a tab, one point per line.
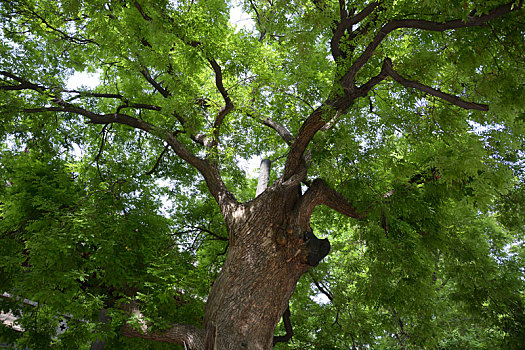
396	130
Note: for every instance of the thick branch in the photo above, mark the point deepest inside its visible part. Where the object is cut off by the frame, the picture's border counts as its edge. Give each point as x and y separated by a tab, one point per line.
140	106
126	103
95	94
95	118
320	193
431	91
44	109
24	84
189	336
313	123
204	168
13	87
316	121
348	79
280	129
218	80
362	15
366	87
210	172
388	70
223	197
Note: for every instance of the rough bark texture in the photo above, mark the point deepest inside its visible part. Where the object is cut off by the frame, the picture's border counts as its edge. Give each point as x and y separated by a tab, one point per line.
269	251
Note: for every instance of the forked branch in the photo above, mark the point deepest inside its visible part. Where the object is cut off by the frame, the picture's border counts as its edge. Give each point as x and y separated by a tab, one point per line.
163	91
228	104
472	21
341	102
308	129
188	336
321	287
346	23
388	70
218	189
223	112
24	84
320	193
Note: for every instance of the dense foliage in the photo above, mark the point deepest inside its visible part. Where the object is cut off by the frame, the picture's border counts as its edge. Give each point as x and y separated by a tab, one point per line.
101	204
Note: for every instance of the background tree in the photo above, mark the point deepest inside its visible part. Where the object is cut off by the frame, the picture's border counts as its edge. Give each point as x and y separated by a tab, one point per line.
395	129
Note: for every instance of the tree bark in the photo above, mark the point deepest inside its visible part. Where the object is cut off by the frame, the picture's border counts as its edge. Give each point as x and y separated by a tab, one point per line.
270	248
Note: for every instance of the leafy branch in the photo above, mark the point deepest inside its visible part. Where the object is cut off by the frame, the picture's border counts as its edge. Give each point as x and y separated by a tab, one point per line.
209	171
341	102
228	104
472	21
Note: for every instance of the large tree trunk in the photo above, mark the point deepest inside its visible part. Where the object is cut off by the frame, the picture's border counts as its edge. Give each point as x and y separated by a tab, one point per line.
271	246
269	251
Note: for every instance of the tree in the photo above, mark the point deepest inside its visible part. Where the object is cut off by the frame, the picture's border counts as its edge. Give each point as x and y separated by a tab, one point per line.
394	129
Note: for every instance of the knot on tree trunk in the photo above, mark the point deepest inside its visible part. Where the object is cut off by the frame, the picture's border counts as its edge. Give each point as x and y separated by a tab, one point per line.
317	248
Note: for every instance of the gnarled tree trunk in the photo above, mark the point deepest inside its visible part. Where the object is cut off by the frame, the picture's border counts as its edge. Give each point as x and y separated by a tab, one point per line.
271	245
270	248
